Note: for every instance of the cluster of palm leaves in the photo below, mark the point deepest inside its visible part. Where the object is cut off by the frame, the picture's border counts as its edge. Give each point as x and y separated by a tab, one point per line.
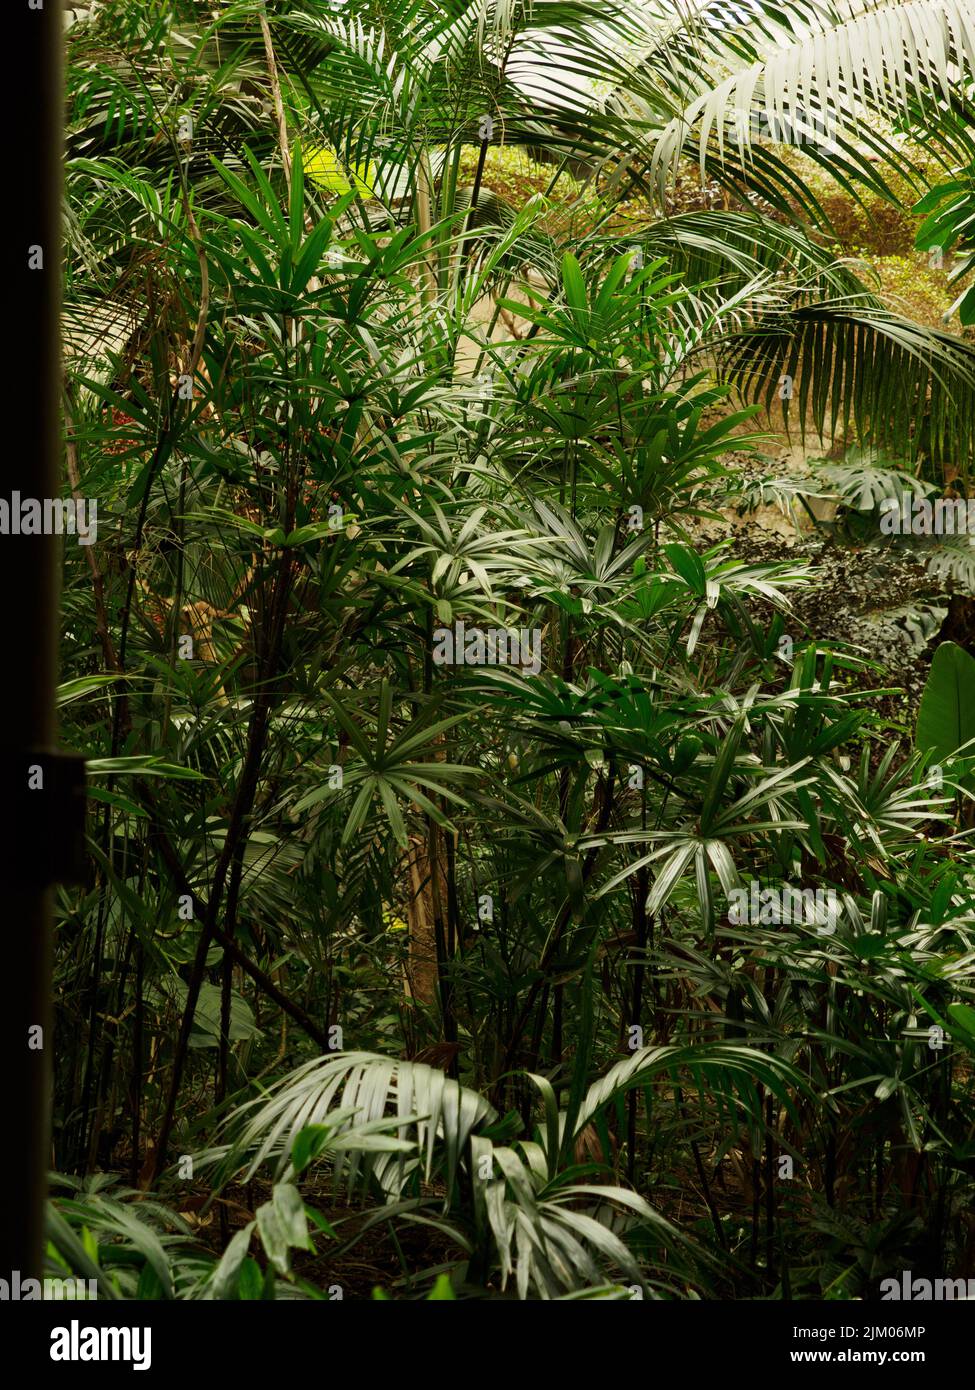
458	935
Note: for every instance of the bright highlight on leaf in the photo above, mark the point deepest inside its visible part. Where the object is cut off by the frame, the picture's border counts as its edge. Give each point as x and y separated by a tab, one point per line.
323	167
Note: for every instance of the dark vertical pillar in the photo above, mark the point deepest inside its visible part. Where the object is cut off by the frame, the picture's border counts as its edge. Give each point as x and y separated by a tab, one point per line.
28	629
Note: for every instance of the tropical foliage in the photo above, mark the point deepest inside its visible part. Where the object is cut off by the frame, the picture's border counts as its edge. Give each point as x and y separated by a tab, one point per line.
393	944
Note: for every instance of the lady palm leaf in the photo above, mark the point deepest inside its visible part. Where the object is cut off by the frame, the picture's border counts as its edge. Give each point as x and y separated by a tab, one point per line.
559	1237
365	1090
127	1235
553	1234
731	1071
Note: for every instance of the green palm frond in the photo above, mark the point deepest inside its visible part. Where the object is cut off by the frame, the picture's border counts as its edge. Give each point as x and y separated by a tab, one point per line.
733	1074
368	1092
817	86
841	360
